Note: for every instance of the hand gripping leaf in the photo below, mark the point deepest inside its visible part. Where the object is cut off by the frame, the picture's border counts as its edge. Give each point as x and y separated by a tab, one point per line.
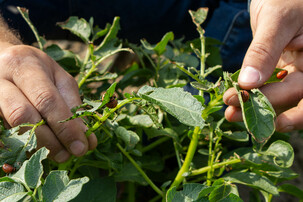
258	115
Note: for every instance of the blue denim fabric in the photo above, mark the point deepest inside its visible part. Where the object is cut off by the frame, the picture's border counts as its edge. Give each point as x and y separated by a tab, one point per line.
228	20
230	24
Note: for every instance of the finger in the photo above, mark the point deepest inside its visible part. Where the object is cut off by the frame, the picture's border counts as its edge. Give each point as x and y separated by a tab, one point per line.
230	97
16	109
290	120
273	33
233	114
68	88
37	85
286	94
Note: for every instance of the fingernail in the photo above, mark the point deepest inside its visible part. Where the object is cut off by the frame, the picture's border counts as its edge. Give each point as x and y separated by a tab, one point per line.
62	156
77	148
249	75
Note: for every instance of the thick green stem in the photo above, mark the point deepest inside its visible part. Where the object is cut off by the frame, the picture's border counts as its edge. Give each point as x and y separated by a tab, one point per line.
148	180
214	166
188	159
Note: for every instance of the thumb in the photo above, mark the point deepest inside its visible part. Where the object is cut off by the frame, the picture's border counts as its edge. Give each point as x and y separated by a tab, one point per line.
271	36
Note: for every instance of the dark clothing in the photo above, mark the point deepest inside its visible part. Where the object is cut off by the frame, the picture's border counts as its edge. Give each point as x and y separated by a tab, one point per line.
228	20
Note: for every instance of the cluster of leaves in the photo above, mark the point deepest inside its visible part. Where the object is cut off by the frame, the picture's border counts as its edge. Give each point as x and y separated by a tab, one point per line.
161	135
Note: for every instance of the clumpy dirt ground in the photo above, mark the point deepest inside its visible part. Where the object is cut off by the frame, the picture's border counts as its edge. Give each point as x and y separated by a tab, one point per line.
296	139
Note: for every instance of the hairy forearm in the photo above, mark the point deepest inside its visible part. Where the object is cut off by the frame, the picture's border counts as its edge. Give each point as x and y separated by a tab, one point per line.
7	36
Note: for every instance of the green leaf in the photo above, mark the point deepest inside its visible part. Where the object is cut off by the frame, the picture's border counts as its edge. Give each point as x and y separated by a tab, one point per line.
155	132
131	174
154	163
231	198
170	76
11	191
67	59
292	190
220	192
108	94
253	180
199	16
180	104
190	192
101	189
111	34
17	145
240	136
79	27
110	44
265	163
129	137
31	171
141	120
97	32
160	47
283	153
258	115
204	85
170	194
187	60
57	186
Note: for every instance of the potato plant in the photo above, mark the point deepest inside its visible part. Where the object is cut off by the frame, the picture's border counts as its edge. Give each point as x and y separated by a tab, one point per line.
159	142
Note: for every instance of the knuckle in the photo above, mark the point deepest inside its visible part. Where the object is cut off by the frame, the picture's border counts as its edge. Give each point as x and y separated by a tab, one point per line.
64	134
260	51
19	115
45	101
70	82
14	58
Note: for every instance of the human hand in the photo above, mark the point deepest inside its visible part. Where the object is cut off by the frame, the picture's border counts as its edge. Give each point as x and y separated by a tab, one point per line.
278	42
35	87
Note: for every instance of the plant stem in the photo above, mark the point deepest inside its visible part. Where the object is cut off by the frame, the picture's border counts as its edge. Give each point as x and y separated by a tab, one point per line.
187	72
211	105
90	71
177	154
107	114
154	144
148	180
33	130
84	64
215	166
210	157
189	156
24	14
131	192
202	59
